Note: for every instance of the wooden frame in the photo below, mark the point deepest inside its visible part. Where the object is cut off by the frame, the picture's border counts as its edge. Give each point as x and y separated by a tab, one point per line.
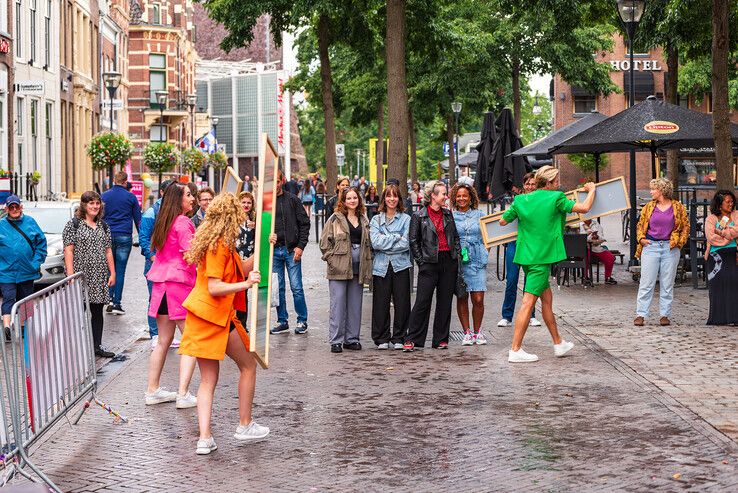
507	237
260	309
231	182
574	217
607	192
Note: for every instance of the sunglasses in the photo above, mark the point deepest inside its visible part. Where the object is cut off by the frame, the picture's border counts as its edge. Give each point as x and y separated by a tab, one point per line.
12	207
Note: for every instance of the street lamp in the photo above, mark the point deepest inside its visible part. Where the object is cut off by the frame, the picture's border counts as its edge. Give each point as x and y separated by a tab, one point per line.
112	81
537	107
630	12
161	97
456	108
215	137
191	102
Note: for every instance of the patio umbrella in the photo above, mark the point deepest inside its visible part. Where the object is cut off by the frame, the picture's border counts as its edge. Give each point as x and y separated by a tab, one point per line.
650	125
484	152
506	170
540	148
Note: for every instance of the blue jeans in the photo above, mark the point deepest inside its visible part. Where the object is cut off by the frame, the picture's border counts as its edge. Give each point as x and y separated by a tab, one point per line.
12	292
121	251
511	284
658	261
282	259
153	329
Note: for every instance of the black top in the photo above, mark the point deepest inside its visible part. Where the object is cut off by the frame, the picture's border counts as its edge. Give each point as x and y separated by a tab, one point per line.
355	233
291	223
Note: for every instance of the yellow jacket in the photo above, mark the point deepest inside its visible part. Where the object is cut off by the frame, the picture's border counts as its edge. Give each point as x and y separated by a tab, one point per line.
680	233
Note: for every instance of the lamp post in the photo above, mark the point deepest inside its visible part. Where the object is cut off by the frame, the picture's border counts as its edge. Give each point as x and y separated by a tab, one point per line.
456	108
537	107
630	12
191	102
161	98
112	81
215	138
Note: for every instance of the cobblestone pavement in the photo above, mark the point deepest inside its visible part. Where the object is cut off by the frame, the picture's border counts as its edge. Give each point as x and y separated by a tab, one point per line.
602	419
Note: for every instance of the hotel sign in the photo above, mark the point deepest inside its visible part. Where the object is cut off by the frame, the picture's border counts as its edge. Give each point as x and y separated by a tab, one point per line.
638	65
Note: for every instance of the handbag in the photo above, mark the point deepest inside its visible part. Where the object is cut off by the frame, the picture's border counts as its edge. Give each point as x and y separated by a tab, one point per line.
461	290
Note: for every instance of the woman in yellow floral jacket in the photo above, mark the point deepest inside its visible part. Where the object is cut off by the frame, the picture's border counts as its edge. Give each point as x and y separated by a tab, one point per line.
663	229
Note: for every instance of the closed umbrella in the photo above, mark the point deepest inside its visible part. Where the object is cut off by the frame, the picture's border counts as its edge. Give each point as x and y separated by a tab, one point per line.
507	170
484	153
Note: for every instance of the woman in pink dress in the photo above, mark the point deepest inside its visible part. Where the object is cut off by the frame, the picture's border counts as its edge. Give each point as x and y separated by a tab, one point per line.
173	279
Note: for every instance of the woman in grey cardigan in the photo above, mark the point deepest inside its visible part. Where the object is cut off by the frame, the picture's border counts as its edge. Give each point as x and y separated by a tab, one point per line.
347	250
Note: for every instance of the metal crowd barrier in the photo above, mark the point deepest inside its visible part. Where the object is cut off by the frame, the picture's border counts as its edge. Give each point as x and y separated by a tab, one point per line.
49	368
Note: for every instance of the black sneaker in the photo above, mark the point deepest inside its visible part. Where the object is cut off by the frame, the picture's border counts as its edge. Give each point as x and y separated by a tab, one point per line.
118	310
104	353
355	346
302	327
610	280
336	348
280	328
109	308
6	330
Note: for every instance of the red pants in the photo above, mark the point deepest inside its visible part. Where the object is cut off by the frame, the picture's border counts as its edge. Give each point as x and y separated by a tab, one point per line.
606	258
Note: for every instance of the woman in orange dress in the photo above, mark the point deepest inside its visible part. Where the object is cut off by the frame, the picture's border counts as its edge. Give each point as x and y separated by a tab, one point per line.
212	328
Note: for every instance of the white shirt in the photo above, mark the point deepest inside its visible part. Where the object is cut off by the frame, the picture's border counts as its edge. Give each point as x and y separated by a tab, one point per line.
594	229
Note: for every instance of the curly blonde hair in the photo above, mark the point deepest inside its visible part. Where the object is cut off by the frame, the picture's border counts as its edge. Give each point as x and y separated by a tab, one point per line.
664	186
222	224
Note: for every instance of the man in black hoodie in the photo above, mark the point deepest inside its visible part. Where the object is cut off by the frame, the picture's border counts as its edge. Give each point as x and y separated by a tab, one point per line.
291	229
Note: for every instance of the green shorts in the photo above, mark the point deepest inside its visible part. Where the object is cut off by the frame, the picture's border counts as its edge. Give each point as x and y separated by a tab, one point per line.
536	278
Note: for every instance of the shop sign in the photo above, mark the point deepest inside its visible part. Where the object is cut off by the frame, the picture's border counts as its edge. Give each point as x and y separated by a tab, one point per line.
29	87
661	127
4	46
638	65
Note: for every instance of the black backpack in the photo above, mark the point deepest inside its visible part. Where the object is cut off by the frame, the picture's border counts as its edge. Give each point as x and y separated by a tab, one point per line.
77	221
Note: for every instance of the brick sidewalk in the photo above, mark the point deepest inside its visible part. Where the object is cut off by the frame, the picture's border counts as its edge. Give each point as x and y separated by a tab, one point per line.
461	420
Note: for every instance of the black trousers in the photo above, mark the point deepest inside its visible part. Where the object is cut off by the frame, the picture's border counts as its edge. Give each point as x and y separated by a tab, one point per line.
441	278
393	286
96	310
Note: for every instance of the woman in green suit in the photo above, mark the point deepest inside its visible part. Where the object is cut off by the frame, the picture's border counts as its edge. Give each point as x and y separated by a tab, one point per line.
541	217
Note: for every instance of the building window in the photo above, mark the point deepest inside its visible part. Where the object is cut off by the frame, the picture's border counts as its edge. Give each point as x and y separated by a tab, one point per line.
585	103
157	75
158	133
19	114
49	147
19	157
34	133
4	17
683	101
47	36
18	34
33	30
156	14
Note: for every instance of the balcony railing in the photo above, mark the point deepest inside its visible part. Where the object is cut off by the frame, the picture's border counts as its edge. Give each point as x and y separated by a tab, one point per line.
176	100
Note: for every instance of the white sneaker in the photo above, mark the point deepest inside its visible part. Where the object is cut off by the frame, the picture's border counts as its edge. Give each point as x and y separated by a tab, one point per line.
480	339
160	396
204	447
504	323
175	343
468	339
384	345
154	342
534	322
399	345
521	356
562	348
186	401
251	433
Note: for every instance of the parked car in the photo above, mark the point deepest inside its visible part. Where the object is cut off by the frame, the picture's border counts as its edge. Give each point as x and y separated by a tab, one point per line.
51	218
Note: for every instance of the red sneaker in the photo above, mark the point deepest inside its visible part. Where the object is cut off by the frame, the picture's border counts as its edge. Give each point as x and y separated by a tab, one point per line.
408	347
443	345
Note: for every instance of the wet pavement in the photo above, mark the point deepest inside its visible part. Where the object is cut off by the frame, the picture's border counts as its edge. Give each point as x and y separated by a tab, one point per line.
601	419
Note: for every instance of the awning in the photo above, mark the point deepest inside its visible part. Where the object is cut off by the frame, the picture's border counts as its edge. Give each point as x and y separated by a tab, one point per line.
171	117
643	82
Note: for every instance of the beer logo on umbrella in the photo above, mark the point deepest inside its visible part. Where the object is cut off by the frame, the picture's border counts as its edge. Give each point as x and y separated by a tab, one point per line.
661	127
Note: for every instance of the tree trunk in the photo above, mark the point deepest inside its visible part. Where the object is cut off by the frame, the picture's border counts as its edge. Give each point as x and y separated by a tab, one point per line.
397	90
516	92
672	96
413	149
720	111
451	153
380	145
326	90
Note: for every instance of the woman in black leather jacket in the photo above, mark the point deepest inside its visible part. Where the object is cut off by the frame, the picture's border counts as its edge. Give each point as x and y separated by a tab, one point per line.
434	244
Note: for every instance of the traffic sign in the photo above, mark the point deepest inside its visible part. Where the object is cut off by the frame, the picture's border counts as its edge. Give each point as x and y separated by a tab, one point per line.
117	104
340	151
445	148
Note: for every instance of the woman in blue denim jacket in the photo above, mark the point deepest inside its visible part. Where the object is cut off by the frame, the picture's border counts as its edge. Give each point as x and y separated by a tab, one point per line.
474	255
389	231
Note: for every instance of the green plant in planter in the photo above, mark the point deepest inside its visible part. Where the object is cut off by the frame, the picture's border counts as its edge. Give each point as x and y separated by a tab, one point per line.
4	173
160	157
193	160
218	160
36	177
586	164
109	149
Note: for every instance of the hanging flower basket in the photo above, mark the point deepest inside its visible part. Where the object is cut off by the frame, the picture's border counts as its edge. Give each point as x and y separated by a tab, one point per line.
160	157
193	160
35	178
109	149
218	160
